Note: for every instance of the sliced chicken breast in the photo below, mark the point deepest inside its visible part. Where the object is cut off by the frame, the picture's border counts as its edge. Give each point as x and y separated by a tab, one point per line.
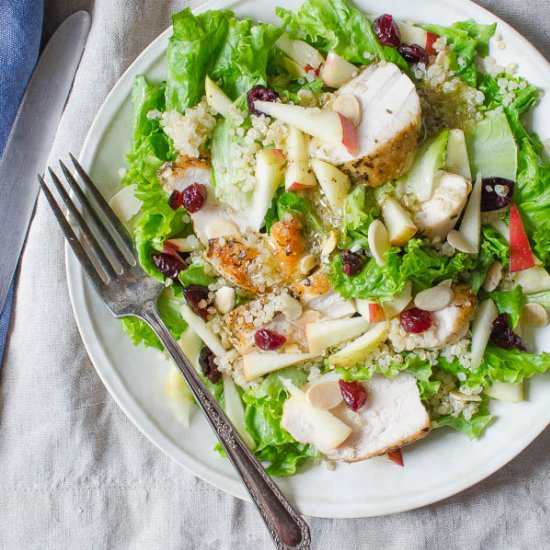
448	325
437	216
392	417
213	219
388	130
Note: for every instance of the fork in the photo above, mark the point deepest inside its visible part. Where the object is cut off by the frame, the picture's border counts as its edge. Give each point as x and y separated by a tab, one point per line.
108	257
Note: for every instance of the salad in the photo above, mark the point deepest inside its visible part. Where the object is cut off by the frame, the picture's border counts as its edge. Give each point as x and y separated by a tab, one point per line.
351	222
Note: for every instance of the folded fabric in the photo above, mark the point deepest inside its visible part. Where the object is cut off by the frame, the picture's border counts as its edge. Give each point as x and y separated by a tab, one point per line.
20	33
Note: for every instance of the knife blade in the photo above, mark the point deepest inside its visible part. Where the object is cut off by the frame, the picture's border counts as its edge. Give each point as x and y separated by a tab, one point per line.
31	138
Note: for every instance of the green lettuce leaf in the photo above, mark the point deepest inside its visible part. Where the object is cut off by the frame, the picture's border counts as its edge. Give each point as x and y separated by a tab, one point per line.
510	302
513	366
337	25
494	247
195	275
263	412
215	43
466	39
417	263
360	210
291	202
473	427
541	298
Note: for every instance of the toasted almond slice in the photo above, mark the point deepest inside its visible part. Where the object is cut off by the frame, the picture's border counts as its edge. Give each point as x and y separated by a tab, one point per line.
288	306
446	282
324	395
220	228
534	315
434	299
307	263
379	241
329	244
348	105
493	277
459	241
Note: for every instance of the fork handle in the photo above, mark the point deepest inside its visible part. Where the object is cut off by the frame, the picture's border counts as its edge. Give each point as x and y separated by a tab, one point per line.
285	525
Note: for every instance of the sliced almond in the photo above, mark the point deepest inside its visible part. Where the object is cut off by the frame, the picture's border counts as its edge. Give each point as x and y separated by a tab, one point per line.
379	241
329	244
288	306
534	315
348	106
308	316
493	277
220	228
307	263
446	282
434	299
459	241
324	395
224	299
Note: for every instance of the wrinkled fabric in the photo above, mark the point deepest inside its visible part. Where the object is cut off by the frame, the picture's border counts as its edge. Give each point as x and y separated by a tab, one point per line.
74	471
20	32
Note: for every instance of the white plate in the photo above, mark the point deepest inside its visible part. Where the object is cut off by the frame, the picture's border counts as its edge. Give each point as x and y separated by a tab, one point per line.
438	467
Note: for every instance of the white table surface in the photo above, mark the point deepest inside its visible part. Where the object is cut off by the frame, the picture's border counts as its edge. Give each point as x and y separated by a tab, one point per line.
75	473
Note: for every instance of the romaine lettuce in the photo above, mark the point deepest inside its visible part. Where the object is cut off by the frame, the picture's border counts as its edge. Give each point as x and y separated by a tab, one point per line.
215	43
360	210
337	25
294	203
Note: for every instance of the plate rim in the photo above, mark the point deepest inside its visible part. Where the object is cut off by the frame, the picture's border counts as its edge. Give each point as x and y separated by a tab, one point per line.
126	401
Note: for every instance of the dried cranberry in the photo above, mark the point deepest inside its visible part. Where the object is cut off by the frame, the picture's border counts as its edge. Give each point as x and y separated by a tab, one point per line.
387	31
194	197
503	336
197	296
353	393
414	54
260	93
496	193
208	365
175	200
352	263
168	263
269	340
416	320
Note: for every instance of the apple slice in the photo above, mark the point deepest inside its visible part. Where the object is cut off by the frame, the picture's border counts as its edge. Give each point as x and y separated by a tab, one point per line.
325	125
398	222
191	344
298	173
457	155
411	34
202	329
310	424
293	68
467	238
379	241
301	52
481	331
337	71
217	99
373	312
180	396
125	204
269	176
521	256
503	391
259	363
324	334
535	279
396	456
334	183
235	410
183	244
399	303
359	349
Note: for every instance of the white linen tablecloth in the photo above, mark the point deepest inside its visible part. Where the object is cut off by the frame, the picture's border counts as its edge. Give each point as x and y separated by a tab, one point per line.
75	473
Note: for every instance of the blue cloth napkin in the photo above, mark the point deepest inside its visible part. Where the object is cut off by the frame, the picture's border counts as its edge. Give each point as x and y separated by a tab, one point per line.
20	33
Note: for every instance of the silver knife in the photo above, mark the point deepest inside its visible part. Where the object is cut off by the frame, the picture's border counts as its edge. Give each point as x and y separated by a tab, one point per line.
31	138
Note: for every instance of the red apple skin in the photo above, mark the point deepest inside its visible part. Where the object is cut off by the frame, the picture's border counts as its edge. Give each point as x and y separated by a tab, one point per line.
431	37
521	256
297	186
349	135
397	457
376	313
170	247
279	154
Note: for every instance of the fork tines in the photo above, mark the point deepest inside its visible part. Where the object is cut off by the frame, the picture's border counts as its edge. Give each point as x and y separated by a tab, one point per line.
94	247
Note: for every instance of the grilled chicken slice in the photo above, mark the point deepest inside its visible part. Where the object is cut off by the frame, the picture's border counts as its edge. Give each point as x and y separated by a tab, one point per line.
213	218
448	325
437	216
257	262
388	131
392	417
